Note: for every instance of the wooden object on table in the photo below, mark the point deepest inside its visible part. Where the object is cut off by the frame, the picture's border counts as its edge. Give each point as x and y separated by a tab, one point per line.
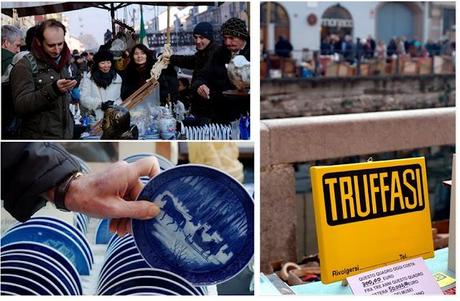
145	90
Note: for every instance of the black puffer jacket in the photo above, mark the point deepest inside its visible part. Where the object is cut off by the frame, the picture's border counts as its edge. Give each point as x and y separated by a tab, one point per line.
195	62
199	107
30	169
214	75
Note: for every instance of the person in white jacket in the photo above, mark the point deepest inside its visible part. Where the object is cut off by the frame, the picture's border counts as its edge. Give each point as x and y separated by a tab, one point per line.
101	85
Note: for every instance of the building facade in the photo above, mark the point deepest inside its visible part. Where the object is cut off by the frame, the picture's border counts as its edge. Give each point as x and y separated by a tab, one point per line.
305	24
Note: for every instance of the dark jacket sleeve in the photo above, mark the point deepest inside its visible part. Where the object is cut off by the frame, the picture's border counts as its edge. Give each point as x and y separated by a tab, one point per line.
30	169
26	98
183	61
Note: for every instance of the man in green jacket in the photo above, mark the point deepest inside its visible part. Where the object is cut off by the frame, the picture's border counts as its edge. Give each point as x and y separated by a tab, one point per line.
41	84
11	43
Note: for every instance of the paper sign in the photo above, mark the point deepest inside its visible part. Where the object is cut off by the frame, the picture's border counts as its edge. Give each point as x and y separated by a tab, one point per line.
443	280
410	277
370	214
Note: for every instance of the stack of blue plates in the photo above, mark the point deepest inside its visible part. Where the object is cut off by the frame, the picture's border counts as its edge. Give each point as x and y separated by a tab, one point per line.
125	272
30	268
81	222
56	234
103	234
162	161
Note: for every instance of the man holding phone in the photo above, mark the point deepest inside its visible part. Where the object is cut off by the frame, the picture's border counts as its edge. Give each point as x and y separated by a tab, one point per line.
41	84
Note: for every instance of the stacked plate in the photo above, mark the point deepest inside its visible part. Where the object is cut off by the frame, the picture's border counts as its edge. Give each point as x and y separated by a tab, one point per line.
30	268
81	221
57	234
125	272
162	161
103	234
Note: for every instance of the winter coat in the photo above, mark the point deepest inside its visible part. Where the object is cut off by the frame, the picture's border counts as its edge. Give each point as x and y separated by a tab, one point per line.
214	76
194	62
44	110
7	57
92	96
29	170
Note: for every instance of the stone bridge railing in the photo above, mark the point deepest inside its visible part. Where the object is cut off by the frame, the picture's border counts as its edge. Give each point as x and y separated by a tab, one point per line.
285	142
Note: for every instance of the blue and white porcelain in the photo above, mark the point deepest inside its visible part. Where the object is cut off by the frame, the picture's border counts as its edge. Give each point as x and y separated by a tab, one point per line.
26	278
103	234
149	277
21	265
63	226
121	264
205	231
162	161
54	238
12	288
52	271
48	254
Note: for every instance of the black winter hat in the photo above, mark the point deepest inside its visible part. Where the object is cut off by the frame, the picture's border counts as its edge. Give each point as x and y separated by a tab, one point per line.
204	29
235	27
101	56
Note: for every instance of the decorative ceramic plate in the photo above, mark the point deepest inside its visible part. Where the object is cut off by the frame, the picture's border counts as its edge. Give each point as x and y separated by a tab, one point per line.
163	162
12	289
51	271
45	274
205	231
149	277
68	229
54	238
49	254
21	286
103	234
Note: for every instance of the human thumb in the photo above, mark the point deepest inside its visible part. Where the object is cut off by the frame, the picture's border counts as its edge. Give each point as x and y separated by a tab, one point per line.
141	210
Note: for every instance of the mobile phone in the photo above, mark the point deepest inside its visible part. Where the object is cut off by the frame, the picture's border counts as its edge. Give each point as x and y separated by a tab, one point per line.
70	78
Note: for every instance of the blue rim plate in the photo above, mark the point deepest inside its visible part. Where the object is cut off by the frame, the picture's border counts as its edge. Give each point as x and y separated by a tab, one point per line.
205	231
114	259
103	234
66	228
120	246
54	238
162	162
16	289
149	277
121	264
144	270
48	253
51	271
26	279
144	291
73	282
43	275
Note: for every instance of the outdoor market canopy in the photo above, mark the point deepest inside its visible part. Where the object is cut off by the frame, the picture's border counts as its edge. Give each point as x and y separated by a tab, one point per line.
24	9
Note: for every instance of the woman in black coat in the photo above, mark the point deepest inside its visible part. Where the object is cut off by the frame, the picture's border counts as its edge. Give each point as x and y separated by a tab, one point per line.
141	60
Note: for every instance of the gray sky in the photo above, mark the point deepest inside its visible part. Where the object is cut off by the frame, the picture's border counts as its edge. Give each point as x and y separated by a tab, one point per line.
96	21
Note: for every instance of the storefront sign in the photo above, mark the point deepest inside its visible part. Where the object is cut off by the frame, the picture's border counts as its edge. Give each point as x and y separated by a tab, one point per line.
410	277
370	214
330	22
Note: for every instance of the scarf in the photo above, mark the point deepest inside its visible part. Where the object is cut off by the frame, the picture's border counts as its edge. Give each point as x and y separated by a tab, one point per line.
102	79
57	65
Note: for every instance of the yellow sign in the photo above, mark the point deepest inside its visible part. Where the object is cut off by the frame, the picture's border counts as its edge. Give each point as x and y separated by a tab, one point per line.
370	214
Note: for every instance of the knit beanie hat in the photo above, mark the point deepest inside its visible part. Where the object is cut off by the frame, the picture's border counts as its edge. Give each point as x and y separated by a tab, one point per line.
235	27
101	56
204	29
